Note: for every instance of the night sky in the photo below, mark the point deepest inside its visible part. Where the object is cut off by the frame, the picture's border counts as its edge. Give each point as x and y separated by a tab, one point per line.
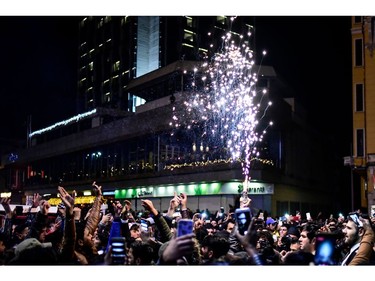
39	69
38	73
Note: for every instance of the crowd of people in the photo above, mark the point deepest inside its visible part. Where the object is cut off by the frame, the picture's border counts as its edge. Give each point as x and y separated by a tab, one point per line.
122	236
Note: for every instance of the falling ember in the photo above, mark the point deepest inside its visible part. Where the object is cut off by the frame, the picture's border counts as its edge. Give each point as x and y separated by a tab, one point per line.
229	106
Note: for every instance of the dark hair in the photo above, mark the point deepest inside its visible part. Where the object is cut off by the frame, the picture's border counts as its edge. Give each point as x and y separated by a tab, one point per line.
135	226
19	228
142	251
299	258
219	245
311	230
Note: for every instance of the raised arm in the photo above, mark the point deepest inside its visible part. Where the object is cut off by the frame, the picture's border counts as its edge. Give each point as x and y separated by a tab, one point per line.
184	210
160	222
69	238
366	246
173	205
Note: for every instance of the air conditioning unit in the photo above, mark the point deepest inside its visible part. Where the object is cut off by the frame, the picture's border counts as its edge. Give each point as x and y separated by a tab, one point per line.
371	158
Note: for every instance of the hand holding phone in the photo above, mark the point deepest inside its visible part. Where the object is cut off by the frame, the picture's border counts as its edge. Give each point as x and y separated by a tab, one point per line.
118	250
355	218
308	216
144	225
184	226
325	245
243	219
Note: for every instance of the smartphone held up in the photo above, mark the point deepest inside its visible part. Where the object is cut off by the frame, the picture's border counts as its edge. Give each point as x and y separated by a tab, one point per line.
243	219
184	226
118	250
325	247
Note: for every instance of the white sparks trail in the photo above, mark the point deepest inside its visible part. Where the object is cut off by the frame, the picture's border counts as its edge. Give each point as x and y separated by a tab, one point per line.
228	107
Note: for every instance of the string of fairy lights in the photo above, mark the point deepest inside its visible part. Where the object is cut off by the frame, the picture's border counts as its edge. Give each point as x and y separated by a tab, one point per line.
228	107
214	162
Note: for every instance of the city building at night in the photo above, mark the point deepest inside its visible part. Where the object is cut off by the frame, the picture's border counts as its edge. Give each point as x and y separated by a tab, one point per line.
134	72
362	160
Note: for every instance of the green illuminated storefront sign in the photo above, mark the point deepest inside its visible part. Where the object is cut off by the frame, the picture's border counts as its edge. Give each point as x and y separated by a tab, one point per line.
255	188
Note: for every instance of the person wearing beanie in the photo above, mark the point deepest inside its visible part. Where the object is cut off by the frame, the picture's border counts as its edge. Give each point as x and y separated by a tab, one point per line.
293	232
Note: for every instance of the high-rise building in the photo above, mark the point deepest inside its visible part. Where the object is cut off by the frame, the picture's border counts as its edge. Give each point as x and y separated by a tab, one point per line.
115	50
362	160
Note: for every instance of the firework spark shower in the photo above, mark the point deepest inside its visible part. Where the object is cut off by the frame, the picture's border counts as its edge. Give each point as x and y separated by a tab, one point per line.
228	106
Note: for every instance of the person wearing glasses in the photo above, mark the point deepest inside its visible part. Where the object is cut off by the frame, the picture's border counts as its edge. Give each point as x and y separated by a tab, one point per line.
359	237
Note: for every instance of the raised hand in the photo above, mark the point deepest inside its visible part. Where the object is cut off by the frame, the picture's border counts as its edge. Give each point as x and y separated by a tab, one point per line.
127	206
44	206
36	200
97	188
5	203
117	207
179	247
173	204
148	205
183	200
67	199
175	201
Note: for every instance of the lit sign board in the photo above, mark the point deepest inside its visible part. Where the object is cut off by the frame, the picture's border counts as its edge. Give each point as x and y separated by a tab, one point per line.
255	188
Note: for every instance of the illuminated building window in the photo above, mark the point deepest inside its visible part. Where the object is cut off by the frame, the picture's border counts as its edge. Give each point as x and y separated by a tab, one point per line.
220	19
123	20
116	66
107	97
100	24
189	22
91	66
188	45
189	35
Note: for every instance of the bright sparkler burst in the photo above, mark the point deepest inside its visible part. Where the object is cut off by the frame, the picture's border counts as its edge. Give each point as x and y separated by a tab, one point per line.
229	106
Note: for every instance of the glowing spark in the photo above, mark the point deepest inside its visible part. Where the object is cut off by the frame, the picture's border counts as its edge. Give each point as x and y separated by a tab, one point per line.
227	107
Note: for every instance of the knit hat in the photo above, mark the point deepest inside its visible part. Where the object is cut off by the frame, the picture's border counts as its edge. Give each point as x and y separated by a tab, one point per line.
293	231
30	243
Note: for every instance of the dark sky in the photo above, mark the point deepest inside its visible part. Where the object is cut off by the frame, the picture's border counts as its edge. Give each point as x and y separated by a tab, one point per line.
313	54
38	71
39	68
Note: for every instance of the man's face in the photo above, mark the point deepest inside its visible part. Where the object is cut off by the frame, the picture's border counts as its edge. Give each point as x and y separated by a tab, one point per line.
351	233
283	231
23	234
135	233
230	227
205	252
271	226
305	244
43	234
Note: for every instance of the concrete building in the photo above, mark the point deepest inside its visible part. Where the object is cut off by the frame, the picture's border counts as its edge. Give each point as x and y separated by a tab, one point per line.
362	160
